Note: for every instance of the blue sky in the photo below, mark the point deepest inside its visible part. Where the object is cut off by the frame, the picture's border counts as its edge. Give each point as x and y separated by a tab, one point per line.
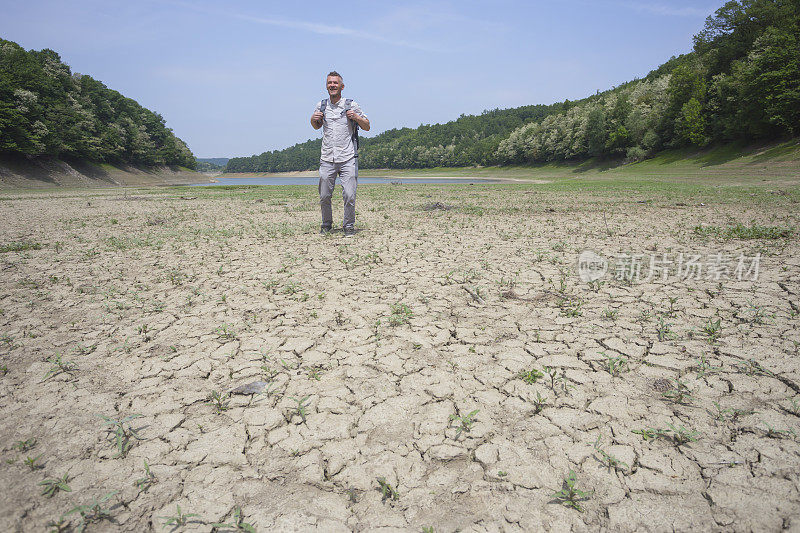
241	77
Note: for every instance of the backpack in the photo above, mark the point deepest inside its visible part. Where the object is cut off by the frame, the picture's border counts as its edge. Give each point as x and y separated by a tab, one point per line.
347	104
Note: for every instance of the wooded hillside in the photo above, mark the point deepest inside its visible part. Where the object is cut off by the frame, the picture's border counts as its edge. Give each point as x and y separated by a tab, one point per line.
46	110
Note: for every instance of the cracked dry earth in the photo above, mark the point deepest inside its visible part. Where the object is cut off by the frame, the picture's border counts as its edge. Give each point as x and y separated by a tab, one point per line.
378	350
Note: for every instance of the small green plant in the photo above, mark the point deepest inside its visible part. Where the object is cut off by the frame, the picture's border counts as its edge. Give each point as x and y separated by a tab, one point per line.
679	393
530	376
149	479
681	435
539	403
387	491
751	367
609	314
401	314
465	422
226	332
611	462
315	372
557	380
663	329
773	433
238	523
704	368
122	432
93	512
52	486
59	366
220	401
25	445
713	330
651	433
615	365
62	525
570	495
179	519
301	406
33	462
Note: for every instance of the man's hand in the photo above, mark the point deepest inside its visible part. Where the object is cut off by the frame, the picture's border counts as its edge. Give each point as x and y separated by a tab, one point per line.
316	119
360	120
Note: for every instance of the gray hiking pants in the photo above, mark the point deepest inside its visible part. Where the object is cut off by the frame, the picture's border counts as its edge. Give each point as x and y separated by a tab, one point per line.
348	176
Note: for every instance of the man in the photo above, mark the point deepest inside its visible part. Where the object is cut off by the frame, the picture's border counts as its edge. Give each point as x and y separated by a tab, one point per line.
340	119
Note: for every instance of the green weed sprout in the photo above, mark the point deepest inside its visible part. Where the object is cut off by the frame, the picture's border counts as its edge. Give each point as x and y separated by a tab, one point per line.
122	432
58	366
94	512
465	421
52	486
33	462
387	491
179	519
570	495
238	523
149	479
220	401
531	376
301	406
25	445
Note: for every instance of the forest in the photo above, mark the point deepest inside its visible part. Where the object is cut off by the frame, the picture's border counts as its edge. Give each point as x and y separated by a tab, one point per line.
48	111
740	82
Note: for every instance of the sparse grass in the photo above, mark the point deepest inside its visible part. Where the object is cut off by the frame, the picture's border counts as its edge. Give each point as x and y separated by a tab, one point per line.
713	330
20	246
743	232
539	403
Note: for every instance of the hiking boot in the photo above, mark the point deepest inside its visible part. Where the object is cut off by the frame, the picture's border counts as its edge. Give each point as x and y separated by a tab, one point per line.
349	232
325	229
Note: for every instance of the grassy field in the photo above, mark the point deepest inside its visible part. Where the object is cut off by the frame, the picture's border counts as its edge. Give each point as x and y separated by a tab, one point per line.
447	368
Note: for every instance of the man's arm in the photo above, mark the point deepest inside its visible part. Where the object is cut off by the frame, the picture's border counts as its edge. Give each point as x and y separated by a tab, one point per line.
361	120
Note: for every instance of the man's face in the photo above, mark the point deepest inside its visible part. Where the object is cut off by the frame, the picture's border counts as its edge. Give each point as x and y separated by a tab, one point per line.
334	85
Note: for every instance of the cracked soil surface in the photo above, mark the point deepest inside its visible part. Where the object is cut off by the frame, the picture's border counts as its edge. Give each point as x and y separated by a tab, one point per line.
378	350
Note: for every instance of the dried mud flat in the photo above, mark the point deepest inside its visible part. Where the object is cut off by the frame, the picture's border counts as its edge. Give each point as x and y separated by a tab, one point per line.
452	353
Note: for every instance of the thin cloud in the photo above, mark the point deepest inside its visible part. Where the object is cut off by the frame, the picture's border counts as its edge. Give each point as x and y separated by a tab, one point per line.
661	9
311	27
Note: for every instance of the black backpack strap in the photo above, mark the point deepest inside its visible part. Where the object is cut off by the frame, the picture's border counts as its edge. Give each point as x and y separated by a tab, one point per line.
348	104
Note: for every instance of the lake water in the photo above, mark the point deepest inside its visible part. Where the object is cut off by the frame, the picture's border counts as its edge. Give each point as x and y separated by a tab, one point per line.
285	180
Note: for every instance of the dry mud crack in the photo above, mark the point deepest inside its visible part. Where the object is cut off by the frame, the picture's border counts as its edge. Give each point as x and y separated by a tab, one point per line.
454	353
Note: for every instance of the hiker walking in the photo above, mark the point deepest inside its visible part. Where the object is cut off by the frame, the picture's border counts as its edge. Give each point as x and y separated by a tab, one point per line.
340	119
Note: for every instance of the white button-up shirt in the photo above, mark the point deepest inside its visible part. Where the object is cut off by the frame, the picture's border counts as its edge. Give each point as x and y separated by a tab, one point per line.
337	131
